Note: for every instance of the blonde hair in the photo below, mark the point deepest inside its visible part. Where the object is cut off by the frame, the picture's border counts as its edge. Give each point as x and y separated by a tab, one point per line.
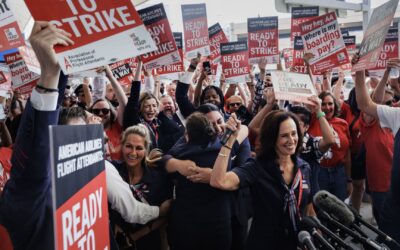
146	96
151	157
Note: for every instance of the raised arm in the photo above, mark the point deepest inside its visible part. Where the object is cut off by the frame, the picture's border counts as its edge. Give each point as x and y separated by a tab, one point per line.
328	138
364	102
338	86
255	124
86	91
220	178
25	207
132	109
119	94
185	105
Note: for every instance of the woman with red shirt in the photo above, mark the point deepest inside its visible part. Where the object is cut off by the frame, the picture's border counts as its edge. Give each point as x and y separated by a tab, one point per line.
334	175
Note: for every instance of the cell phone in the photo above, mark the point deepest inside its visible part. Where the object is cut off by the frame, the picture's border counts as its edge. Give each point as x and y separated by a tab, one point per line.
207	67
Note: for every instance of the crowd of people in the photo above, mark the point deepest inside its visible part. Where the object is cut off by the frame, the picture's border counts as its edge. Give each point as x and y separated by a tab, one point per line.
172	179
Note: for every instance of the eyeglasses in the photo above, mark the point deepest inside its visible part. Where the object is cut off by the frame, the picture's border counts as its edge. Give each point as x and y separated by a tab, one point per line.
104	111
233	104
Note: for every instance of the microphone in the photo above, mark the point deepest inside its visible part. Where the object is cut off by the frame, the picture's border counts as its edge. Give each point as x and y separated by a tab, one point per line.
381	235
337	209
240	113
305	239
365	241
310	226
331	234
333	206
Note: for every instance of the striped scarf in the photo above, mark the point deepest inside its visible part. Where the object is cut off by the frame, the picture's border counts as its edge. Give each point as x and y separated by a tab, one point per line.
290	201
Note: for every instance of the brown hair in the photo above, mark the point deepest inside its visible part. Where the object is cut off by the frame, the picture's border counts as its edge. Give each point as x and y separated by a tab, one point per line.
336	110
199	129
269	133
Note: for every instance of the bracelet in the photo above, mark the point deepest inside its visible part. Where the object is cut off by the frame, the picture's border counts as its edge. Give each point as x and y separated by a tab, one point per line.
230	148
320	114
46	89
223	155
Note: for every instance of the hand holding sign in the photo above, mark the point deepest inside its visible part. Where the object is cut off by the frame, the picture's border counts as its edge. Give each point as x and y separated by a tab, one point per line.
393	63
43	38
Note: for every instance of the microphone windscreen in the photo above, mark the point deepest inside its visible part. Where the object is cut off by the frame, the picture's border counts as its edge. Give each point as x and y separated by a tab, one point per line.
307	224
334	206
302	236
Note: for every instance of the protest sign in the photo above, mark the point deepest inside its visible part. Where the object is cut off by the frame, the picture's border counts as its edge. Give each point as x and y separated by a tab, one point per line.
216	36
389	50
288	57
292	86
123	70
195	30
81	210
350	43
374	36
172	70
323	38
24	69
103	31
298	64
10	34
156	21
263	39
235	61
299	16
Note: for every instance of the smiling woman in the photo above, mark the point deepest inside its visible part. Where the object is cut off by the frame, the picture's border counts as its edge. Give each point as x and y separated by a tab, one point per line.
335	169
279	181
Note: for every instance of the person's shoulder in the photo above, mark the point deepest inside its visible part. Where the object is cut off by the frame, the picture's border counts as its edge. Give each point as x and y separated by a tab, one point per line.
302	165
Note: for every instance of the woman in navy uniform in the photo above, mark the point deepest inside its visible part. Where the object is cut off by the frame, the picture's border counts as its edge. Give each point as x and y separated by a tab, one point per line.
279	182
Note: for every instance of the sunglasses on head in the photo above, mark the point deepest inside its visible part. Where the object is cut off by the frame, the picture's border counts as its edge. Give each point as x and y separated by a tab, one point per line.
97	111
233	104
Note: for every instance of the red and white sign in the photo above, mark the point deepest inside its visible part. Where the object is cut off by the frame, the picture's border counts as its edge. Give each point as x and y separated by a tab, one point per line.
298	65
123	70
299	16
195	30
155	19
390	49
375	35
292	86
235	61
323	38
10	34
24	69
288	57
263	38
80	211
350	43
171	71
216	36
103	31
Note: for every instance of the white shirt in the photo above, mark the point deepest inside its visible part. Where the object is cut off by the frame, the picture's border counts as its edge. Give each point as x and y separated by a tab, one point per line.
389	117
118	192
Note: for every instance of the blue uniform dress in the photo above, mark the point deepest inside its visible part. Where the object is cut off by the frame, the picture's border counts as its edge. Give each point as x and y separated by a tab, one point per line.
271	227
154	188
200	215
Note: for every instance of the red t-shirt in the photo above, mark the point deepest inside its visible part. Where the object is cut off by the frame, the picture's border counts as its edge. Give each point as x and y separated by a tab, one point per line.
345	113
356	138
114	140
337	154
5	241
379	155
5	166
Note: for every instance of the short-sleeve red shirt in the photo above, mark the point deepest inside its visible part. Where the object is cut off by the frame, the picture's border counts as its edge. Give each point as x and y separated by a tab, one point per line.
341	147
379	143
